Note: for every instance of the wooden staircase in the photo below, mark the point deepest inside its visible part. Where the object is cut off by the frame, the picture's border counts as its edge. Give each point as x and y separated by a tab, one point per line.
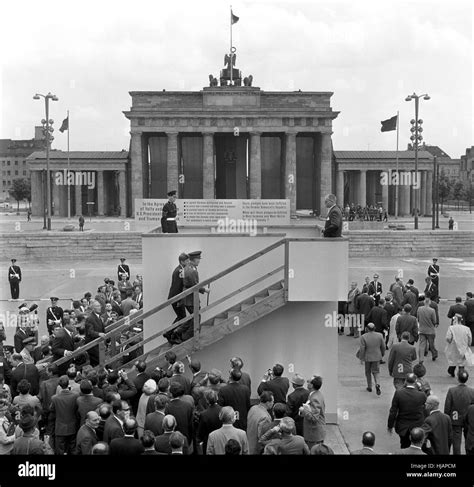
230	321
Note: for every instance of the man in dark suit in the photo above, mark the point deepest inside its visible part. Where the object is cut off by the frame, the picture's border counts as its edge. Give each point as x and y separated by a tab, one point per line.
411	297
368	442
333	225
63	418
238	363
162	442
363	304
22	333
154	420
469	303
48	390
417	438
86	401
236	395
86	436
458	400
469	425
182	411
378	316
375	289
407	322
371	351
199	375
407	410
63	346
400	361
23	371
458	308
295	400
175	289
113	427
94	329
437	428
14	278
209	420
431	290
139	380
276	384
128	445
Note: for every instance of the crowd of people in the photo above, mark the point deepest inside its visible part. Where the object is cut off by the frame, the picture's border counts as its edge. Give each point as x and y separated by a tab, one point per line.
367	213
397	322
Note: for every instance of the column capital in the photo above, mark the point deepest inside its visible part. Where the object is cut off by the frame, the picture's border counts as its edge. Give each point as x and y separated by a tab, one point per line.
255	133
172	133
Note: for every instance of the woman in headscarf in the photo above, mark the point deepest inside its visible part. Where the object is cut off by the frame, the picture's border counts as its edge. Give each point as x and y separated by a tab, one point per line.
459	340
149	388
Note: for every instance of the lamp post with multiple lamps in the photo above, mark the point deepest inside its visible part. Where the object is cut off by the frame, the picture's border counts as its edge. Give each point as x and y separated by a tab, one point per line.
47	131
416	138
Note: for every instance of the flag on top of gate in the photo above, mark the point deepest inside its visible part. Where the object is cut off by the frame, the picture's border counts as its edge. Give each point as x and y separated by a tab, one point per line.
65	125
390	124
234	18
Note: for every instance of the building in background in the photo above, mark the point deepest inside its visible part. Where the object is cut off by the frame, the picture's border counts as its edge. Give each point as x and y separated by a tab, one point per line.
13	155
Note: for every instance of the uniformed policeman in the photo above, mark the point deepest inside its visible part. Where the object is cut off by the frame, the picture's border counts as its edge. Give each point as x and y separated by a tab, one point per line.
54	315
14	278
123	270
168	217
433	272
28	346
191	278
177	288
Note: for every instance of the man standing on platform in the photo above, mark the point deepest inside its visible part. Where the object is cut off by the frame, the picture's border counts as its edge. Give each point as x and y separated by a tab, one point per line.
168	218
54	315
176	288
14	278
333	226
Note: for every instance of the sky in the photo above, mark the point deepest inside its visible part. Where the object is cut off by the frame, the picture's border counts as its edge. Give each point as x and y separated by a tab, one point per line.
370	54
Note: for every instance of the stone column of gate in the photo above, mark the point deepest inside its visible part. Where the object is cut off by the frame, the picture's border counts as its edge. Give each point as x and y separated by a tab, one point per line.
363	188
422	192
384	196
340	188
208	184
36	193
326	169
122	194
56	199
172	161
78	196
429	193
290	171
136	173
255	166
404	200
100	192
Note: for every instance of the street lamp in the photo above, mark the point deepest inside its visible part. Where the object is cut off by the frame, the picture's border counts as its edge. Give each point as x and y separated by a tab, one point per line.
47	131
416	138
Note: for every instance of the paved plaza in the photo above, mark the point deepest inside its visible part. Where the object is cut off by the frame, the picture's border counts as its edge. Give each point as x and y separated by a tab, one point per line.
358	410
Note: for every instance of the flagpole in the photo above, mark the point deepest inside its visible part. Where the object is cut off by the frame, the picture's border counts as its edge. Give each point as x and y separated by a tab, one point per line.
398	178
68	172
231	45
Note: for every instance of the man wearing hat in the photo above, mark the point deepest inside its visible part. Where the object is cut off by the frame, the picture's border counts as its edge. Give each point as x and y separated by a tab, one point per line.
175	289
123	270
375	289
168	218
433	272
14	278
295	400
54	315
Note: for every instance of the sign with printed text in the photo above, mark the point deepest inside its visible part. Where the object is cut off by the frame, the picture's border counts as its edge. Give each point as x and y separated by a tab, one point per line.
209	212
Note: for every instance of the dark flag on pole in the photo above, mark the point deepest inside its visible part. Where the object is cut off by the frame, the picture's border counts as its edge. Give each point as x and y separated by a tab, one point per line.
234	18
389	125
65	125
